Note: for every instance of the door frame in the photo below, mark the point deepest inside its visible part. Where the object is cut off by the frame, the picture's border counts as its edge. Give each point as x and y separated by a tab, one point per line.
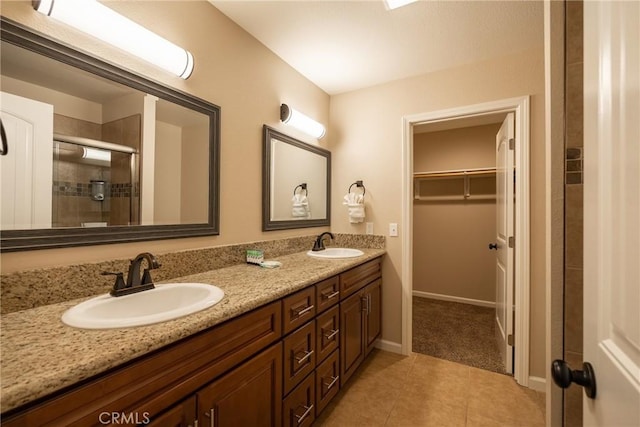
520	107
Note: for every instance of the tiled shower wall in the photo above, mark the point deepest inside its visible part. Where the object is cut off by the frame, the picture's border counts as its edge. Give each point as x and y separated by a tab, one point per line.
573	207
71	202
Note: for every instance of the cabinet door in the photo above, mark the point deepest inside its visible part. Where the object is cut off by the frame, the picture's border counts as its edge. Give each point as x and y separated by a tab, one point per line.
373	296
181	415
250	395
351	335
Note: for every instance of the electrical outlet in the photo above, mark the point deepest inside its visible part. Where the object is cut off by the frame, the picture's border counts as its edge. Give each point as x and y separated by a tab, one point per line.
369	228
393	229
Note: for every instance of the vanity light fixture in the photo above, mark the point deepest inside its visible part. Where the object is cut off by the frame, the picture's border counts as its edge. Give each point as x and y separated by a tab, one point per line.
95	19
394	4
301	122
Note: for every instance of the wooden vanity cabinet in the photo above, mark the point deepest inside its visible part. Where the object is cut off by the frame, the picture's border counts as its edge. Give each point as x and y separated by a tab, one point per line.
280	364
360	316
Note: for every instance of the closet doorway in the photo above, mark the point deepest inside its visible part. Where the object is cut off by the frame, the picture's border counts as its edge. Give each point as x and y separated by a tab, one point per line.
454	233
455	220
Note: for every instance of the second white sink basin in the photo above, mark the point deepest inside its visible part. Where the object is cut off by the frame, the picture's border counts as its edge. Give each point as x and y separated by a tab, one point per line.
165	302
336	253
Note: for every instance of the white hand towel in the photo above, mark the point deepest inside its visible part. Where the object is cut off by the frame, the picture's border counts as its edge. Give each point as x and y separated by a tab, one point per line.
300	208
355	206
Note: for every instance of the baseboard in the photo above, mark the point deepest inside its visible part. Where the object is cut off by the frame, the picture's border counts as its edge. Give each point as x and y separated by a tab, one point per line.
390	346
441	297
538	384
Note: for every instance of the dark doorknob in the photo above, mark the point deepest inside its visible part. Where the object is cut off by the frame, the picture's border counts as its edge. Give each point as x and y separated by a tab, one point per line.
563	376
493	246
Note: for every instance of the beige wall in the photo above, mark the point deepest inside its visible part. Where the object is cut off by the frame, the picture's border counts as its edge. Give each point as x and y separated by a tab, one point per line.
367	125
232	70
450	238
168	177
249	83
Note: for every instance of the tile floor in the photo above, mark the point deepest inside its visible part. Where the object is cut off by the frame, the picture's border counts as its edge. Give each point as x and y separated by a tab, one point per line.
419	390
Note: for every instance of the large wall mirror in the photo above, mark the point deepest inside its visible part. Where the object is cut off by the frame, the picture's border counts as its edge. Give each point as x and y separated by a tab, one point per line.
98	154
296	183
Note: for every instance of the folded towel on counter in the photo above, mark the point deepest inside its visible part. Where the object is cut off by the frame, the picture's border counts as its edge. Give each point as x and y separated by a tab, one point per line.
300	208
355	205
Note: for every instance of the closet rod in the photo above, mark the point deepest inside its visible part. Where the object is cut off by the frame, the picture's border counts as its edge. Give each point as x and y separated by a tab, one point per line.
455	172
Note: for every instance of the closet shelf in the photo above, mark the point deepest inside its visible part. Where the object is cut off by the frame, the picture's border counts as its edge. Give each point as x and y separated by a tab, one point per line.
465	174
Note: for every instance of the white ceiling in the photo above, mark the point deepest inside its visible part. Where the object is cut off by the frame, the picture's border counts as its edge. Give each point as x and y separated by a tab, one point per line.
347	45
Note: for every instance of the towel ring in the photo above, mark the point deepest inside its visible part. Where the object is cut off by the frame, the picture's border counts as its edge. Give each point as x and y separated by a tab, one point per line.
302	186
358	184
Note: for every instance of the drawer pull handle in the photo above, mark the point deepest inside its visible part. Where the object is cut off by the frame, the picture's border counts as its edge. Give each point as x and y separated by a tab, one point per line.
211	415
332	334
303	311
302	359
333	382
307	411
331	295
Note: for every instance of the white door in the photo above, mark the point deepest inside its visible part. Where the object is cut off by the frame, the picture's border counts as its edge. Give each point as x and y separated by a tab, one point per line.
27	170
612	211
505	230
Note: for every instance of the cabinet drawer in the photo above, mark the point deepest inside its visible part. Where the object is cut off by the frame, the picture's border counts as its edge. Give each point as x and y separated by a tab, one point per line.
298	408
299	355
327	293
356	278
327	333
299	308
327	381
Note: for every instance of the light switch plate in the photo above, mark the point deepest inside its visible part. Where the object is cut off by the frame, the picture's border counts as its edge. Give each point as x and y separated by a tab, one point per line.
393	229
369	228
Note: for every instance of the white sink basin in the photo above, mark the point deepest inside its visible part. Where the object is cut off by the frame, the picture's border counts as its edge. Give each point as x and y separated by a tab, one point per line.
336	253
165	302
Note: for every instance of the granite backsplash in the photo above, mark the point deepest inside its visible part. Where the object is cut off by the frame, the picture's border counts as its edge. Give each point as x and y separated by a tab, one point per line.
33	288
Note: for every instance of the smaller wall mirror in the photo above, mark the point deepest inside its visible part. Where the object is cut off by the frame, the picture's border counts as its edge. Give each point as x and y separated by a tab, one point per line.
296	183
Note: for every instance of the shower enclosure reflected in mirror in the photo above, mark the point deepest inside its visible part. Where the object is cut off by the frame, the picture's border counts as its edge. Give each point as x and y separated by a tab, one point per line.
116	157
296	183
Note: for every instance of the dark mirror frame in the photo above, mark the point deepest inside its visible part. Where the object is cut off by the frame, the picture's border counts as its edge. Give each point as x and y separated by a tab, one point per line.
21	240
267	224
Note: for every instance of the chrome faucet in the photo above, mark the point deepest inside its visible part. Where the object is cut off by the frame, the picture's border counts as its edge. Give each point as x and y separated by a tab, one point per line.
319	244
134	282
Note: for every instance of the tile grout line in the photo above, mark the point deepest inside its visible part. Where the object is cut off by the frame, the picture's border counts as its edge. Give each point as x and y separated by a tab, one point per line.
400	392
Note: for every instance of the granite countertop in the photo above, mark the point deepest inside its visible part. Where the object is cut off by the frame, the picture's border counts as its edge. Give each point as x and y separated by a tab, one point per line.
40	354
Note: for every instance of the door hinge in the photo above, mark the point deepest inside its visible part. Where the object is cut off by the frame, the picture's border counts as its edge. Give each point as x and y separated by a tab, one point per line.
510	339
512	144
512	242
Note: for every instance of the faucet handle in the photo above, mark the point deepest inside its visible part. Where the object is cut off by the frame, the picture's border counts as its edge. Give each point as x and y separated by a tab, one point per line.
146	277
119	284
